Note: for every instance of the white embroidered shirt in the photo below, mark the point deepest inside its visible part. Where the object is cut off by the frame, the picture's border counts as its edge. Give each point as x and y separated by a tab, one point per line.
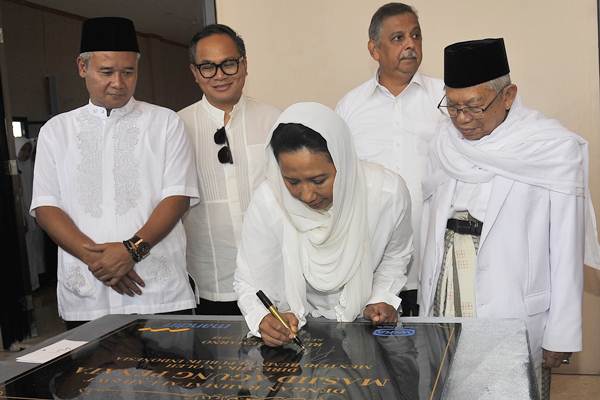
108	173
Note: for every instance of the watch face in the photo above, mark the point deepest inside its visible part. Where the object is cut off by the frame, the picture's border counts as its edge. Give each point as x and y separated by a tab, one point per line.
143	249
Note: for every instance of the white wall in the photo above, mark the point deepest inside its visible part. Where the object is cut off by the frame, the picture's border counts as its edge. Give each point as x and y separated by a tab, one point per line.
317	50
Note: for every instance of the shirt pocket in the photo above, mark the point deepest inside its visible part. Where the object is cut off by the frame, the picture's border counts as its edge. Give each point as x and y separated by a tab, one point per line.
537	303
74	276
157	270
163	269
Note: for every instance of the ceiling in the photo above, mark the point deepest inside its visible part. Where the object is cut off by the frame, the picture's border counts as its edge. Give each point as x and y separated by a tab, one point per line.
176	20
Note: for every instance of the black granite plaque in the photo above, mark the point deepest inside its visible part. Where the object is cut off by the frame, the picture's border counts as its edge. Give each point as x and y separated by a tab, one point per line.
213	360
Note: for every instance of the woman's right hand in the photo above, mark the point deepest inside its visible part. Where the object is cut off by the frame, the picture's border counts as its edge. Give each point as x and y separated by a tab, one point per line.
274	333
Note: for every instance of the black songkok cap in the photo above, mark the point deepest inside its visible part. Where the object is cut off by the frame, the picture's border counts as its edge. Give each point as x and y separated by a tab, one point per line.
108	34
476	61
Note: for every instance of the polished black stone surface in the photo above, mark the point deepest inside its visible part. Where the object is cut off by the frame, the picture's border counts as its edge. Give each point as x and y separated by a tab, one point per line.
213	360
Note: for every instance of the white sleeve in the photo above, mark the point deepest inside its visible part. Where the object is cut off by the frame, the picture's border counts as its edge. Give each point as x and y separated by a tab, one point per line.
563	327
390	275
341	109
46	190
259	260
179	176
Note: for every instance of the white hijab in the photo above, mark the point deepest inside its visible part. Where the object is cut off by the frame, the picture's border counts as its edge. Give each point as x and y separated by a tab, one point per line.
328	249
527	147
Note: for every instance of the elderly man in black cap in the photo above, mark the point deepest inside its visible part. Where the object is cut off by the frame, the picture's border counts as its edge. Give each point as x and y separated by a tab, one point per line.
112	180
505	202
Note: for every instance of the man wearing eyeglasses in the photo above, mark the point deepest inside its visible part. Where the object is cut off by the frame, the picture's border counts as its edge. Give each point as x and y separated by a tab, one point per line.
505	207
228	131
393	116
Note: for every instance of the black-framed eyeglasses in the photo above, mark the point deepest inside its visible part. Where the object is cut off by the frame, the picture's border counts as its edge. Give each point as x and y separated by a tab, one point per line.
224	153
473	112
231	66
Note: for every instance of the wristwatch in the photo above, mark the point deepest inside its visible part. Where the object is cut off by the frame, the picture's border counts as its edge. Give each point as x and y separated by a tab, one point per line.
141	247
137	248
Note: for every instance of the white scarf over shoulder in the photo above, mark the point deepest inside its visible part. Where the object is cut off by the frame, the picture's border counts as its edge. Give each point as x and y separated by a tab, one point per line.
328	249
527	147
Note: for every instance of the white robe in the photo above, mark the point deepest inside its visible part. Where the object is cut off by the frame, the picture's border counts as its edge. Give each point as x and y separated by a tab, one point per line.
530	259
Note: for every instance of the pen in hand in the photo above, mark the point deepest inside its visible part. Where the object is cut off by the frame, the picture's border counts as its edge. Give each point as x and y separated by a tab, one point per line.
273	310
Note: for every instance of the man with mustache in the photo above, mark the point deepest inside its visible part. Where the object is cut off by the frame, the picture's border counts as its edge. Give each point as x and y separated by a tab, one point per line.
112	180
393	115
228	131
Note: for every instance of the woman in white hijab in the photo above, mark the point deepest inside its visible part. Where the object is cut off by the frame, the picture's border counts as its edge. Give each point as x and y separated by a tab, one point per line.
325	234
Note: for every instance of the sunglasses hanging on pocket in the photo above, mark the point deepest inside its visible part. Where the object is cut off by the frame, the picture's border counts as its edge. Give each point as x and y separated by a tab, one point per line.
224	153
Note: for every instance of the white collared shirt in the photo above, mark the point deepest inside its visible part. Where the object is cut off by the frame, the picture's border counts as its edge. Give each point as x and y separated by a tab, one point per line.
395	131
108	173
214	226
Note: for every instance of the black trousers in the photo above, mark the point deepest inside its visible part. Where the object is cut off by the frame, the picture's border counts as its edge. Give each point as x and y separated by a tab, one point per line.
207	307
409	305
